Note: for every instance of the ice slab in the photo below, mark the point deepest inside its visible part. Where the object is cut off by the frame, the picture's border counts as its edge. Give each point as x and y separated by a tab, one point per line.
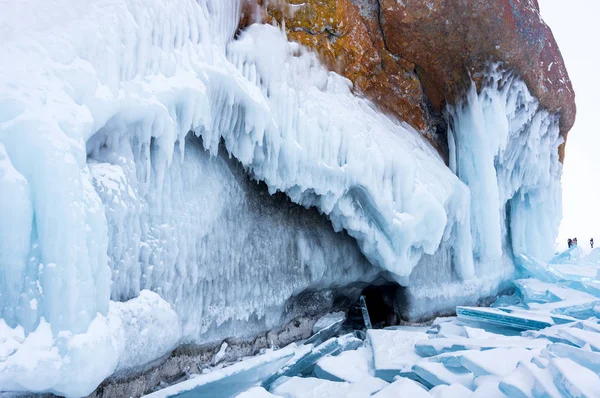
256	392
451	329
438	346
436	373
451	391
349	342
403	387
534	268
304	362
505	301
584	357
496	362
310	387
325	333
232	380
393	351
528	380
574	380
328	320
519	384
581	337
516	318
350	366
534	291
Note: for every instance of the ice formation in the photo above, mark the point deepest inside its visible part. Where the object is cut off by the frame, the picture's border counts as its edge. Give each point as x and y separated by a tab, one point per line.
118	121
504	147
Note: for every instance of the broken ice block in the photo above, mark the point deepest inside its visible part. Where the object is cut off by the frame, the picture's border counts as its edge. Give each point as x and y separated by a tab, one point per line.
365	313
573	253
304	362
436	373
574	380
516	319
393	351
529	381
349	342
534	291
451	391
550	333
505	301
403	387
310	387
232	380
589	359
449	359
438	346
350	366
537	269
328	320
496	362
581	337
325	333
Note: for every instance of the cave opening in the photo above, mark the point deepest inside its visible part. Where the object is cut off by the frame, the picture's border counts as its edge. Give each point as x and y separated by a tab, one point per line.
381	299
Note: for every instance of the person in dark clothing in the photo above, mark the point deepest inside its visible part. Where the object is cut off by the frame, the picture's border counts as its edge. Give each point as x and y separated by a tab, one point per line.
592	242
570	242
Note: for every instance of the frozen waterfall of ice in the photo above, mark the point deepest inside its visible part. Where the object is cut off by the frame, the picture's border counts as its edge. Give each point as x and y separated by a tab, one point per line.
504	147
105	192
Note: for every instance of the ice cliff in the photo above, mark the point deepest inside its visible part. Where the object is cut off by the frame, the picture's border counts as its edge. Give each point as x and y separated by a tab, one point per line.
132	138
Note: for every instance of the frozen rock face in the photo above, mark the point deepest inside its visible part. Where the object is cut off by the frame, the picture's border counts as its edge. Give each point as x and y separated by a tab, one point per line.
413	57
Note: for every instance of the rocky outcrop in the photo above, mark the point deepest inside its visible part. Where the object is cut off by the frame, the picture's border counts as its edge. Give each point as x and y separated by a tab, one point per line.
412	57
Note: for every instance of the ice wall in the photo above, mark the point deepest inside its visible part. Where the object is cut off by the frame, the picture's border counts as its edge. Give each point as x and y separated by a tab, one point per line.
504	146
211	241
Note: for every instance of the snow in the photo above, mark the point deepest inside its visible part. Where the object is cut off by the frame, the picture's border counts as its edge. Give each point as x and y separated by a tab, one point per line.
403	387
256	392
107	196
573	379
393	350
132	334
351	366
496	362
451	391
310	387
436	373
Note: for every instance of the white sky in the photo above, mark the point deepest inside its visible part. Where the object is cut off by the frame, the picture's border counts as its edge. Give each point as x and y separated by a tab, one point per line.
577	31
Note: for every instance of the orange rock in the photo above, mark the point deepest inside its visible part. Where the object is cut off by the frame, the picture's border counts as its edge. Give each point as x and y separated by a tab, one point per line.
412	57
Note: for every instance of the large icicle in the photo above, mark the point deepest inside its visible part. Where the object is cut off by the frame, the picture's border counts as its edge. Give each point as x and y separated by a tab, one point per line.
507	153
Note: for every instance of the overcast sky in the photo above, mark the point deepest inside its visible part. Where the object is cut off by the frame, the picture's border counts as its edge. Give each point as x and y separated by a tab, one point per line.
577	31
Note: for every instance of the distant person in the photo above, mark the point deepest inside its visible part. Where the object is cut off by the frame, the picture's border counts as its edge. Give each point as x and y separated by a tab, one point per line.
570	242
574	241
592	242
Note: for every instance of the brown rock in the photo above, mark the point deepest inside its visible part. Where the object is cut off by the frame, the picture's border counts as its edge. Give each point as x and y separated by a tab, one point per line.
452	39
412	57
349	41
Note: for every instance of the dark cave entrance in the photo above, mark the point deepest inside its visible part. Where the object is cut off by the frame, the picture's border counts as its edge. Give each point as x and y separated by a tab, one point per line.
381	301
